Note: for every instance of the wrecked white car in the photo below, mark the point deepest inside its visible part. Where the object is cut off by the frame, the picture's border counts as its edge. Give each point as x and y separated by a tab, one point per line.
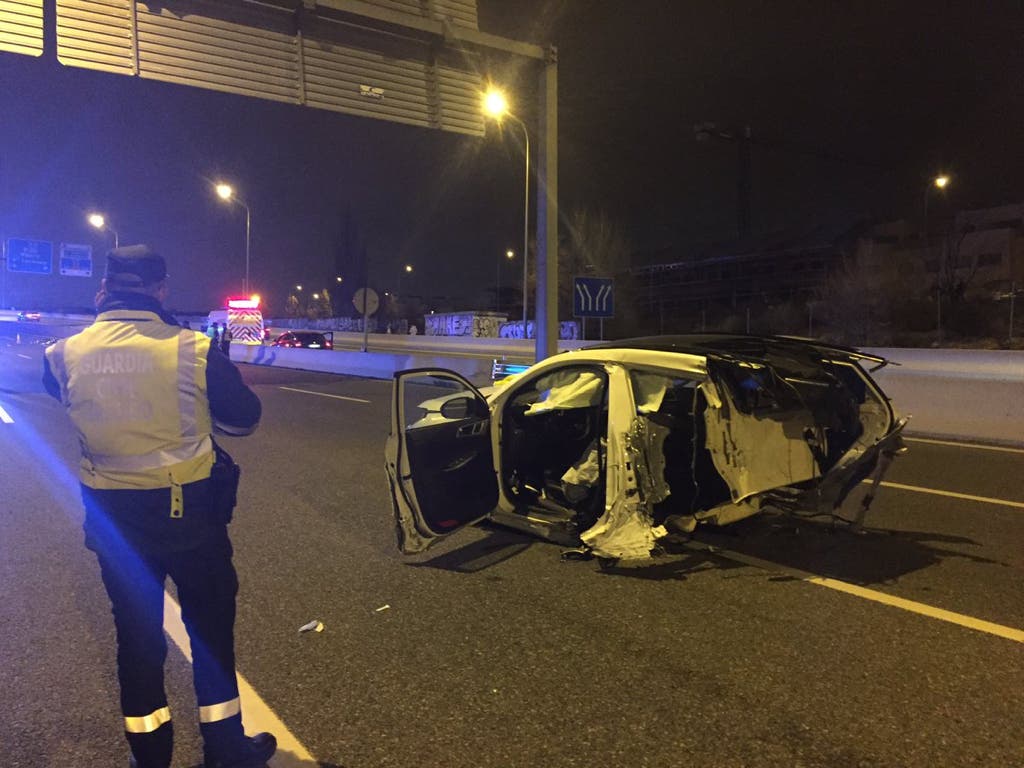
615	447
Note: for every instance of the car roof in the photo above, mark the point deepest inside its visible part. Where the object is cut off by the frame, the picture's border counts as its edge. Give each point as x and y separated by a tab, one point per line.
733	345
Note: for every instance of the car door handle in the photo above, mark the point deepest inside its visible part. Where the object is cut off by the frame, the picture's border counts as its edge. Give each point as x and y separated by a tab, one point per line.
469	430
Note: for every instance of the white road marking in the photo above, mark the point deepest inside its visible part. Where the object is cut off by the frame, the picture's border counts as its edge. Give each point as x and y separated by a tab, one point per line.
27	357
256	715
324	394
960	619
977	446
954	495
5	417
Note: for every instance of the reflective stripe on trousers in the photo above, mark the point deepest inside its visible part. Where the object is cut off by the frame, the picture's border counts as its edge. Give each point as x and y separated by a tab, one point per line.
148	723
222	711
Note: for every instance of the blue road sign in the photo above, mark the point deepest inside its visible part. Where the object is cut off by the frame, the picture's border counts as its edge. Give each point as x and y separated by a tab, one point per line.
593	297
34	256
75	260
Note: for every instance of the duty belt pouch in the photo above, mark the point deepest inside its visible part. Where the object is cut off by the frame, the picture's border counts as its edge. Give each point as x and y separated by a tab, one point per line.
223	485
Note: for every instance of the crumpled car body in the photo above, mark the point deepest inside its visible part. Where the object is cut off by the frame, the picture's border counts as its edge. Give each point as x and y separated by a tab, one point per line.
614	448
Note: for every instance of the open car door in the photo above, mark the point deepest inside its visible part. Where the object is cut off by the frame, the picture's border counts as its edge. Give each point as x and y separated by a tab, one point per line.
440	461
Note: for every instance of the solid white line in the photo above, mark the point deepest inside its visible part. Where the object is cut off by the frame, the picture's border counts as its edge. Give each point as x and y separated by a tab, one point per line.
913	606
977	446
922	609
324	394
954	495
5	417
256	715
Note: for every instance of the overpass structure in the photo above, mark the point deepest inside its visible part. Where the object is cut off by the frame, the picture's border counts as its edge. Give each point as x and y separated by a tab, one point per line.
419	62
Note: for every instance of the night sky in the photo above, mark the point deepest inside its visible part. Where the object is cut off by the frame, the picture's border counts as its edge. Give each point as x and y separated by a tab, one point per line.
853	106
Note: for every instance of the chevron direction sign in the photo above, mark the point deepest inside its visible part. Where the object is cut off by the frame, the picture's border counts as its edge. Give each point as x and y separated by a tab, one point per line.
593	297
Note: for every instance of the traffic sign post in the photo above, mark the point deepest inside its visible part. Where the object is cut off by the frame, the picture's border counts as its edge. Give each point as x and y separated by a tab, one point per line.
75	260
29	256
593	297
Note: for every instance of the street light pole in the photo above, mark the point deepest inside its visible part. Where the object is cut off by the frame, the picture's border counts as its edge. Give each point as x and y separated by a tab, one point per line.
496	105
509	254
939	182
248	223
526	214
227	192
99	221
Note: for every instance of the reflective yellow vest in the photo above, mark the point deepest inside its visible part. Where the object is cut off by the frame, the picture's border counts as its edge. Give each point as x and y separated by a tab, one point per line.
135	389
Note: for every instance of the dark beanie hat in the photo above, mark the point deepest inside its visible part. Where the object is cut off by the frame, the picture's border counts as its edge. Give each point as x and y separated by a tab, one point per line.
135	266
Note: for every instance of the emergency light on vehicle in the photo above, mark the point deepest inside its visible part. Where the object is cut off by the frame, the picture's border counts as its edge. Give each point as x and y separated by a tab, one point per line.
253	302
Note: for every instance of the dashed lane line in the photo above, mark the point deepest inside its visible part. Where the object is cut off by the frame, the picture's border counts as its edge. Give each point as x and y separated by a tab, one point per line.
954	444
324	394
27	357
954	495
256	714
5	417
912	606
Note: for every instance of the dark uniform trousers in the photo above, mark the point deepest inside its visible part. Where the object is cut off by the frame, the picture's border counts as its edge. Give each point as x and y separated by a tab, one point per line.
138	545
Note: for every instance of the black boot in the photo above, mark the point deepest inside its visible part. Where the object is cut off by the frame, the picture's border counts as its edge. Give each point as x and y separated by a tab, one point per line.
251	752
152	750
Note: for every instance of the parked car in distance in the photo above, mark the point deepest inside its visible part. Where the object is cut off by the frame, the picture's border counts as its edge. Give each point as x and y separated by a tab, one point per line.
621	447
305	340
31	317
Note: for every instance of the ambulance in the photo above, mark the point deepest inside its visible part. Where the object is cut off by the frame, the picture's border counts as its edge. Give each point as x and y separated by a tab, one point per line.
242	317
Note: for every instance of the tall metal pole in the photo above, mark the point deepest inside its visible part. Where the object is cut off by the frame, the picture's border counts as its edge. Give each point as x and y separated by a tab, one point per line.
526	222
526	215
547	212
1013	295
366	300
248	222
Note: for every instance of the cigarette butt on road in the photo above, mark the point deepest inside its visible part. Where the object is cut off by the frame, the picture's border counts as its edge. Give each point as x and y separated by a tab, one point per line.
382	608
314	626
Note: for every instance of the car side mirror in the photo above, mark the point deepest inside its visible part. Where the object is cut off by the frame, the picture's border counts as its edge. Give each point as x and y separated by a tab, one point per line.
460	408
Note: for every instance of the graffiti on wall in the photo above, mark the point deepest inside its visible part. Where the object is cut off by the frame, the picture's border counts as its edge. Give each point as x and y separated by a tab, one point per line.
568	329
476	325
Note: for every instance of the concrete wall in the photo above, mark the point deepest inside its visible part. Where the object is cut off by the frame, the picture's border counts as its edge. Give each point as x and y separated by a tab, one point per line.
957	394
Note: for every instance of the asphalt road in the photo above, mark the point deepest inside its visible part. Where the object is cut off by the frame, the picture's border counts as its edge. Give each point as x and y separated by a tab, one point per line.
489	651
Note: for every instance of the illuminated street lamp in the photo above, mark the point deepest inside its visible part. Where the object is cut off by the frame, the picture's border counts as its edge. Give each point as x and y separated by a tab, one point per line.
407	269
940	183
509	254
495	105
227	193
100	222
298	287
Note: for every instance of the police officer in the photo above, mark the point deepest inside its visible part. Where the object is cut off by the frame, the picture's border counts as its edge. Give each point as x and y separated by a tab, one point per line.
144	396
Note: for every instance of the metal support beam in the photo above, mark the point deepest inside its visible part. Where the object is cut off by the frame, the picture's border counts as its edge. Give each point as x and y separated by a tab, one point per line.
547	210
